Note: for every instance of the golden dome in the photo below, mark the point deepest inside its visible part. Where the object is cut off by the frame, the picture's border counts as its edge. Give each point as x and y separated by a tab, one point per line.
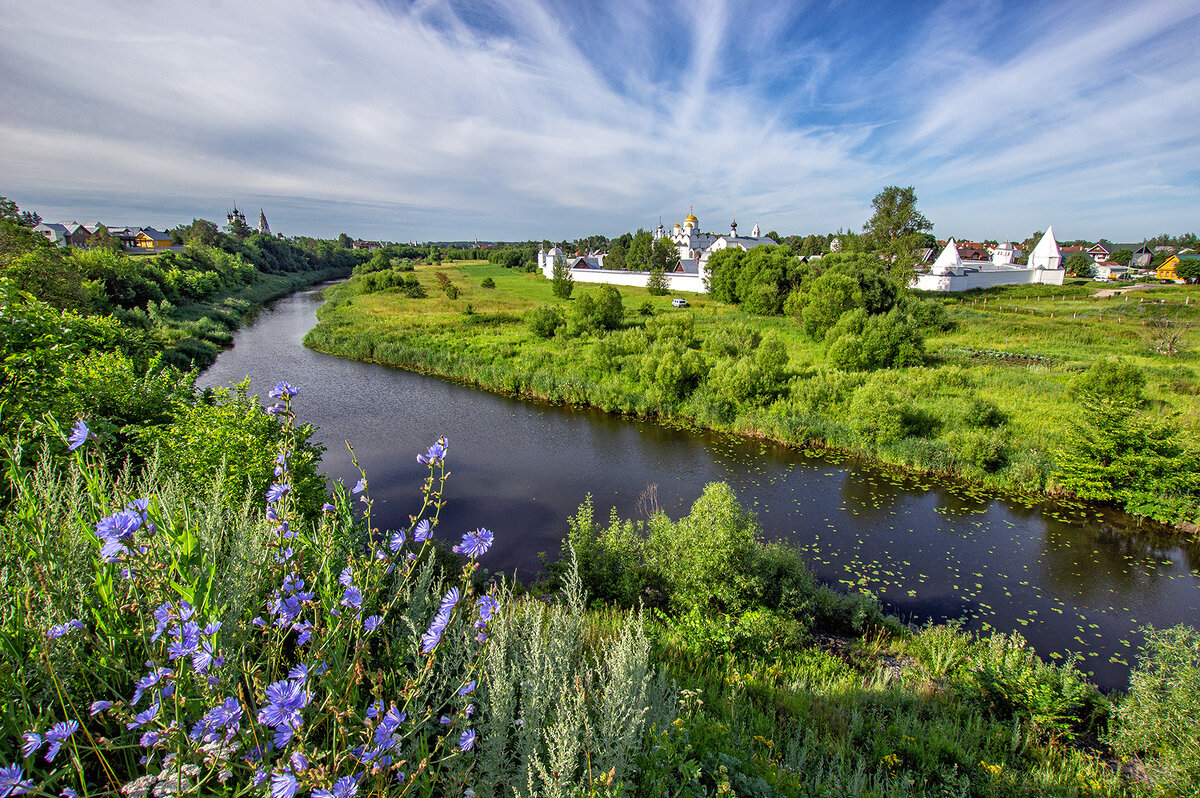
691	218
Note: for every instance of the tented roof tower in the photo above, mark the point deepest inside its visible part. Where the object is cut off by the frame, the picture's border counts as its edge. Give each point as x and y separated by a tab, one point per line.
948	261
1046	254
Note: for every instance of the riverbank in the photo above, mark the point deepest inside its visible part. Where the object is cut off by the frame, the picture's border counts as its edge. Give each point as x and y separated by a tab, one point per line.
992	407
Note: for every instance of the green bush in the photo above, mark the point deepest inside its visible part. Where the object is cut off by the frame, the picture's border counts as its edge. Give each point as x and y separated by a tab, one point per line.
1010	681
488	282
878	414
1157	720
1114	380
544	320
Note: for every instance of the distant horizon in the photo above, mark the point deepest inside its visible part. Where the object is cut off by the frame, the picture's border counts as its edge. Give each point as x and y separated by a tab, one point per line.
526	119
610	236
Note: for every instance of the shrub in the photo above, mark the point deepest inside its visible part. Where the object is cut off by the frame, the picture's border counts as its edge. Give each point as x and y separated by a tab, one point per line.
1113	380
1157	718
878	414
488	282
1009	680
544	320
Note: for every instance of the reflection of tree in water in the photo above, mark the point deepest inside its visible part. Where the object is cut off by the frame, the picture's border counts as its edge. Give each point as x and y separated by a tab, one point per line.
1086	560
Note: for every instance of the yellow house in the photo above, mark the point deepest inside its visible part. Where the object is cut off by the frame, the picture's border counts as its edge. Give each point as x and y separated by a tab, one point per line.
149	237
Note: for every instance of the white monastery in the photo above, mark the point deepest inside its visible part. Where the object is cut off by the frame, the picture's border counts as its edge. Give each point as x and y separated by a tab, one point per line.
694	247
951	273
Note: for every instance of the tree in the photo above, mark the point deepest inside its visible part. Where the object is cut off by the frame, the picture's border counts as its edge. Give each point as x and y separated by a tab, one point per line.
200	231
637	258
615	259
560	277
9	212
1080	265
894	228
1122	256
1188	269
237	226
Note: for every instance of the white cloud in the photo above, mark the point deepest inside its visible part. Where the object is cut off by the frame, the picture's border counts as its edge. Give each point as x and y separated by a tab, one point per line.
521	119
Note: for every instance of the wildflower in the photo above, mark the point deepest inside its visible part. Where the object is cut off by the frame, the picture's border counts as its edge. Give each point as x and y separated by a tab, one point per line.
277	492
436	454
145	717
352	598
327	507
149	739
286	698
475	544
283	785
345	787
282	390
13	782
79	435
467	688
392	720
346	577
374	710
359	486
299	761
449	600
59	733
98	707
467	740
149	681
67	792
487	608
423	531
187	640
433	635
58	631
444	720
226	716
372	623
398	540
33	743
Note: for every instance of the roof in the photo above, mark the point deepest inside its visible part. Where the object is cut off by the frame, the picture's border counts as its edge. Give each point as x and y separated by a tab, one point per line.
153	234
1045	248
948	260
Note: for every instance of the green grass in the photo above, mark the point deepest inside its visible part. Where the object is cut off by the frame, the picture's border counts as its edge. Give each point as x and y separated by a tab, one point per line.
1016	348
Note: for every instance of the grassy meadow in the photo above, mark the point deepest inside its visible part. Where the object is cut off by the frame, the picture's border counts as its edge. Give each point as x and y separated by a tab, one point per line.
991	404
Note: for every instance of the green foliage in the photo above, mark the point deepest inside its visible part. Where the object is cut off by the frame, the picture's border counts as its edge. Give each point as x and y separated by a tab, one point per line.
878	414
228	438
544	320
1110	380
562	282
1011	681
1155	721
827	298
656	283
1080	265
1122	256
488	282
861	342
896	228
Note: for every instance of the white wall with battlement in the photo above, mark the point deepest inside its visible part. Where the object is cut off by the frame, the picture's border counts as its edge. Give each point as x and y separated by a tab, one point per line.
987	279
676	281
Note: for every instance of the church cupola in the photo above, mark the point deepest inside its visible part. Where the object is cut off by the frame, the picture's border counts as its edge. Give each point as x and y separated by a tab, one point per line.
733	228
756	233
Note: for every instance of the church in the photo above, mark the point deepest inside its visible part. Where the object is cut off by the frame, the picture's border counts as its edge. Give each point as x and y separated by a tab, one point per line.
694	248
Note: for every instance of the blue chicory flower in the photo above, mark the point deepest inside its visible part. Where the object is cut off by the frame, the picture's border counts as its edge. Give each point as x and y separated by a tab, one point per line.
143	718
59	733
327	507
372	623
423	531
467	740
56	632
345	787
277	492
398	540
283	785
346	577
436	454
79	435
359	486
13	781
475	544
467	688
282	390
98	707
33	743
352	598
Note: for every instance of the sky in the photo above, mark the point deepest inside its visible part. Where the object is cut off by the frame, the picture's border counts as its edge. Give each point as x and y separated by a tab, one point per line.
532	119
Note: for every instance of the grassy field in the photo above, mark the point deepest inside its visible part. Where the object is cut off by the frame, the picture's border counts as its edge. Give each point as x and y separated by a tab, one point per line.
991	404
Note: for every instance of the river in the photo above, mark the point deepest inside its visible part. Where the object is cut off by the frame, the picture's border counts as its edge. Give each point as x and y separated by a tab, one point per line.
1068	579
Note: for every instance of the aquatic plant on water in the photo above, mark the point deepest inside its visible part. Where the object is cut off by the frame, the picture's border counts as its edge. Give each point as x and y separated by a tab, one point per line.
357	675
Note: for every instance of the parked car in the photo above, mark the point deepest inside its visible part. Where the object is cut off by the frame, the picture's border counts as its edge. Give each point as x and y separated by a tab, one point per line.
679	302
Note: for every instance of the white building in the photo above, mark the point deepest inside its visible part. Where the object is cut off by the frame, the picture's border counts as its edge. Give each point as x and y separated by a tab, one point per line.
694	247
949	273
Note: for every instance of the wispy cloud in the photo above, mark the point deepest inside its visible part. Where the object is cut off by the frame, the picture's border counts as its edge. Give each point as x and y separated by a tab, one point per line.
528	119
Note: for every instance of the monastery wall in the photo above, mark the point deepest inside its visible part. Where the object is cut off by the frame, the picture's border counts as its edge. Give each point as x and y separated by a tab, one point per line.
987	279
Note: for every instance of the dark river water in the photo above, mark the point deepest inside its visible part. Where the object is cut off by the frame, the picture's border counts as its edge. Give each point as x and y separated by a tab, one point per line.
1068	579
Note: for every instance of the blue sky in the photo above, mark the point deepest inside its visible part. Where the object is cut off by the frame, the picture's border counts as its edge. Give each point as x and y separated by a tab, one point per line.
537	119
